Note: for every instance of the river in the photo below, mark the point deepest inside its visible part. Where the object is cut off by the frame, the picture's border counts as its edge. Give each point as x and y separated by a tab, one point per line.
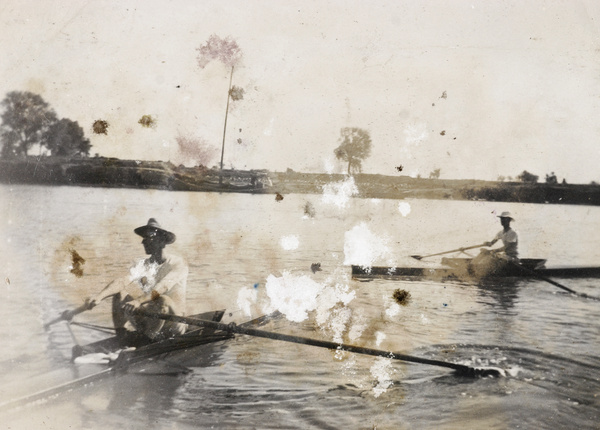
252	254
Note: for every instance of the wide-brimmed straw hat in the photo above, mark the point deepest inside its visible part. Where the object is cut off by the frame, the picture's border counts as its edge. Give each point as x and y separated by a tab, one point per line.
154	227
506	215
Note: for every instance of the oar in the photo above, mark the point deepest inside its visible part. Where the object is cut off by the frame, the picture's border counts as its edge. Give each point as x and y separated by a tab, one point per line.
420	257
68	315
550	281
237	329
53	391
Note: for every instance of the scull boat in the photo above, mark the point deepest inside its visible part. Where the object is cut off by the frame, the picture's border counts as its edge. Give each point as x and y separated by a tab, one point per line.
462	269
131	353
208	330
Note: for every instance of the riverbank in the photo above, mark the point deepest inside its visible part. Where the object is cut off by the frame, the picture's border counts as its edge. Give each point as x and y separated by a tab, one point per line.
116	173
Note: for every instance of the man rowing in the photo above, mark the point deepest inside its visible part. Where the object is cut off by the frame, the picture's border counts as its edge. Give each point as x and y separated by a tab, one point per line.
156	284
509	238
489	261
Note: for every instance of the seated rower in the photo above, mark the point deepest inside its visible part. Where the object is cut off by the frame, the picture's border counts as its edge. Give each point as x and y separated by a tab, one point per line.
156	284
489	261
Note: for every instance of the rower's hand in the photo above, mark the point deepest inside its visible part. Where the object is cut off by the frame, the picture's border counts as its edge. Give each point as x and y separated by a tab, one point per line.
90	302
131	306
488	243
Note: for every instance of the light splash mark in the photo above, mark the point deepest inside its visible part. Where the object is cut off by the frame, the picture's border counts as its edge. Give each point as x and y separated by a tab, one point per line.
357	328
404	208
362	247
380	337
329	298
246	298
340	316
339	193
290	242
381	370
293	296
328	165
393	310
416	133
268	131
144	274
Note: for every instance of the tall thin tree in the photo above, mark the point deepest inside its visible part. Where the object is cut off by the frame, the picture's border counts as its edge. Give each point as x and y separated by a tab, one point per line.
227	52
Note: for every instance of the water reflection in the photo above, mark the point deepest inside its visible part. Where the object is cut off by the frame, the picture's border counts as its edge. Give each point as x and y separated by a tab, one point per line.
503	292
145	393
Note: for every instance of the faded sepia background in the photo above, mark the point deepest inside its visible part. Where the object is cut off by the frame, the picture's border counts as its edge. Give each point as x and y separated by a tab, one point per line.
512	84
476	89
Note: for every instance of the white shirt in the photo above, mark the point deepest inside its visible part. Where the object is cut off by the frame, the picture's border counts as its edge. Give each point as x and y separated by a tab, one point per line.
510	240
168	278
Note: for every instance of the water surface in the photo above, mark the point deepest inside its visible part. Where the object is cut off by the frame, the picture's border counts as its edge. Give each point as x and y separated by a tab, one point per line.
545	339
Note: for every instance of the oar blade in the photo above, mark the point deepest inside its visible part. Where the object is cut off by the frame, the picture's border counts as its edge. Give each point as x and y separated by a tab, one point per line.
417	257
477	372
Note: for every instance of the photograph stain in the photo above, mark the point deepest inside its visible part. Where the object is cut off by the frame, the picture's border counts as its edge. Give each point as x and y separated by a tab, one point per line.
400	168
402	297
309	210
315	267
100	127
278	197
77	262
147	121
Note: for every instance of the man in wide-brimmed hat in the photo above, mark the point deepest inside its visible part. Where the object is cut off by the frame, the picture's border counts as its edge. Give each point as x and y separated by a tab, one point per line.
509	239
156	284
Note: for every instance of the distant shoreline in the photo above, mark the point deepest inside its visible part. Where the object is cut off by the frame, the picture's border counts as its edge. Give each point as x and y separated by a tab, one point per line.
116	173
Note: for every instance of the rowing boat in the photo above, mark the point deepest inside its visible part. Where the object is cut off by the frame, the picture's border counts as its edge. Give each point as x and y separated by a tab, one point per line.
208	329
462	269
134	348
130	353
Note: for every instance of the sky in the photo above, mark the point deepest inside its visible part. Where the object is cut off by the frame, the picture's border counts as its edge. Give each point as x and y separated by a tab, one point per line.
477	89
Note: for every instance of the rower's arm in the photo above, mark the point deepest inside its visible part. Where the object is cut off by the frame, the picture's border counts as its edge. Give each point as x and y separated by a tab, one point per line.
491	242
177	276
111	289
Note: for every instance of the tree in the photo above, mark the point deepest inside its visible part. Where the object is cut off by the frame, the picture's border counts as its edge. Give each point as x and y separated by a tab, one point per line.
195	150
551	178
527	177
66	138
355	146
25	119
435	174
229	53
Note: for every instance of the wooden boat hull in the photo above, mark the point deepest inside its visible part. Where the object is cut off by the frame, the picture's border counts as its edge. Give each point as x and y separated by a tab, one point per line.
135	348
460	269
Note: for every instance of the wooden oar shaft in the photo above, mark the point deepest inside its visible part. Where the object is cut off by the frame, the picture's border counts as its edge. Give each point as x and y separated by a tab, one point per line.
68	315
550	281
419	257
58	389
233	328
543	278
